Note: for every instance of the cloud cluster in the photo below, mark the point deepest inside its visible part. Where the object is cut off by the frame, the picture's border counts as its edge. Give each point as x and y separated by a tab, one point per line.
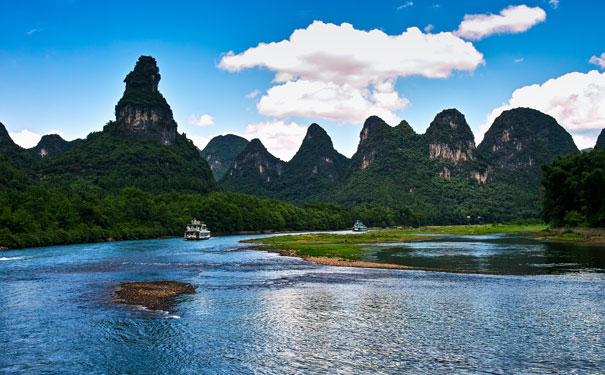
28	139
340	73
203	120
600	61
282	139
575	100
513	19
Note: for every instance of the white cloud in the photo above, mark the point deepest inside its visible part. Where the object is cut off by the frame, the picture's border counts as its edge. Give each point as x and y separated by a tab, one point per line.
340	73
575	100
520	60
203	120
554	3
253	94
429	28
407	4
344	103
513	19
30	32
600	61
280	138
26	138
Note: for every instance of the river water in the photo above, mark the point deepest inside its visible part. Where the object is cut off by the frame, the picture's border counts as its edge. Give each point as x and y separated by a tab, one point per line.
260	313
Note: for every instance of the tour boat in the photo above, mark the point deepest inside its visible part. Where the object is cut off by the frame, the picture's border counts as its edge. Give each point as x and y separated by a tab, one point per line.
359	227
196	230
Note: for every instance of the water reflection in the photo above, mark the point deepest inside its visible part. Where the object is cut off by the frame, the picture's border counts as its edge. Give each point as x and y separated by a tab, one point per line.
500	253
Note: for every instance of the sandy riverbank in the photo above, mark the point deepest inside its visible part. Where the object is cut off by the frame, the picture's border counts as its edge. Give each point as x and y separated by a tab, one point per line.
339	262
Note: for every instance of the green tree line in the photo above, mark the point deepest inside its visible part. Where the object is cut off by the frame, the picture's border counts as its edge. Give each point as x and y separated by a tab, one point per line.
40	216
574	190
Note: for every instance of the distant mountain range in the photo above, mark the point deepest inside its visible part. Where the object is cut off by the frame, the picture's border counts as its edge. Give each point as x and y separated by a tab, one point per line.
441	173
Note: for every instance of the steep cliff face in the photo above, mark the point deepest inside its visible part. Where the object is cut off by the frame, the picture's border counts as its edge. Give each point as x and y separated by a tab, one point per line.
601	141
521	140
143	110
51	145
450	138
221	151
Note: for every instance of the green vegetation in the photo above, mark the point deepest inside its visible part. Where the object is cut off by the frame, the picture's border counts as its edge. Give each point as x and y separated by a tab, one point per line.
349	246
221	151
112	160
573	190
49	215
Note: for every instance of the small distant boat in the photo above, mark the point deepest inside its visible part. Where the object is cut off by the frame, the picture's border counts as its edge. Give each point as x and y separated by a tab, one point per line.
196	230
359	227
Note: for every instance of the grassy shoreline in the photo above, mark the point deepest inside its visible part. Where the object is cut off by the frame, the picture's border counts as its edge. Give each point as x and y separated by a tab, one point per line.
346	250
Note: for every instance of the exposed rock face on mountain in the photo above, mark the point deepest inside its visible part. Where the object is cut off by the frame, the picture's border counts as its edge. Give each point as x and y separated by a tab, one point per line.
143	110
51	145
254	171
521	140
450	138
601	141
140	149
440	172
221	151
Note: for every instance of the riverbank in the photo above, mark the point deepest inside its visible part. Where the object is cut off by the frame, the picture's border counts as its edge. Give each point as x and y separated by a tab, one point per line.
341	262
589	235
347	250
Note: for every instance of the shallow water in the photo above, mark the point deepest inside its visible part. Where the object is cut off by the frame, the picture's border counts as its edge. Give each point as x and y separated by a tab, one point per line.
260	313
500	253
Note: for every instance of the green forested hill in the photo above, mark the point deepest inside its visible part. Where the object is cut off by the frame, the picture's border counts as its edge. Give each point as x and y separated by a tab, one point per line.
112	160
440	173
51	145
221	151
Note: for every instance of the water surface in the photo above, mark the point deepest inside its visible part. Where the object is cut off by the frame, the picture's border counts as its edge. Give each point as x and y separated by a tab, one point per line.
260	313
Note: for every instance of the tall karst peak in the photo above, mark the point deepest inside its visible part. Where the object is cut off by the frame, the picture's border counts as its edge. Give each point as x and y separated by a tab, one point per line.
521	140
373	126
142	109
316	137
601	141
255	159
317	156
450	137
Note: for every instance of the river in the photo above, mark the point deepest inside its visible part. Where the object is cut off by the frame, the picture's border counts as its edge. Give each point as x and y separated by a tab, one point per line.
260	313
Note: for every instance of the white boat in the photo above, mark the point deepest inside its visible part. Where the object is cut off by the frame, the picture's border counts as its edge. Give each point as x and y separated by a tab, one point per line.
359	227
196	230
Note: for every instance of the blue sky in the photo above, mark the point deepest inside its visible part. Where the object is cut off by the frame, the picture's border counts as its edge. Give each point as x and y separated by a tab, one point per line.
62	63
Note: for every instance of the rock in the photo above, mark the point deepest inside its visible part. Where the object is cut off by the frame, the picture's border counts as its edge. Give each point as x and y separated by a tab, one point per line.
143	110
154	295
